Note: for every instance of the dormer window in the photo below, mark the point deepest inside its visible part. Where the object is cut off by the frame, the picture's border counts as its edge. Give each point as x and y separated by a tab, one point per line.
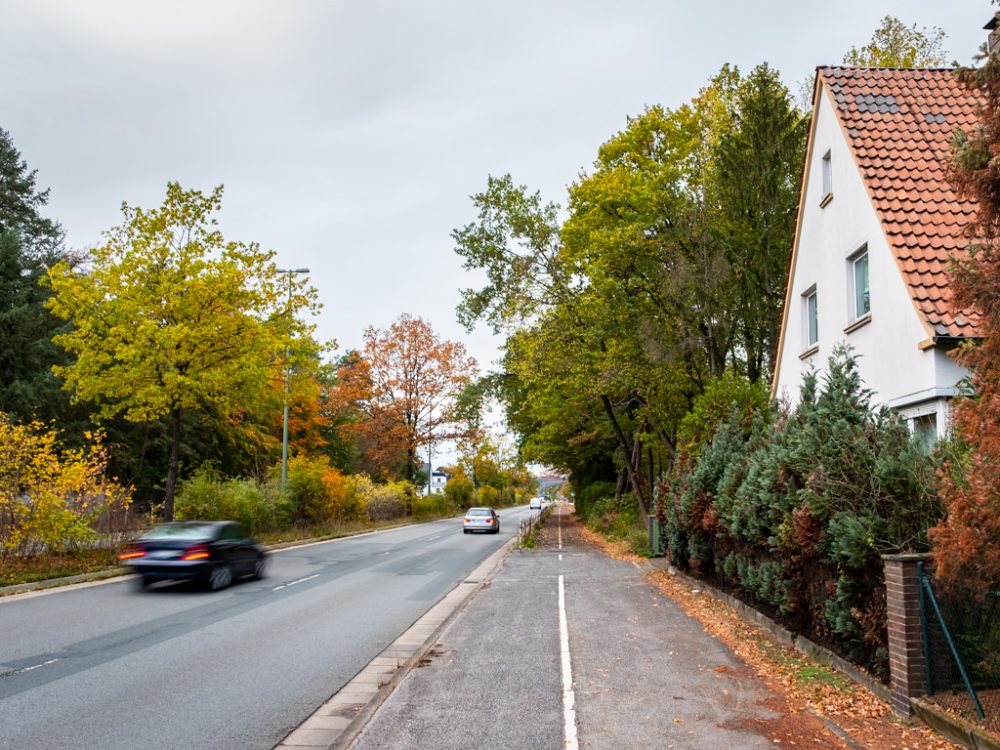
827	170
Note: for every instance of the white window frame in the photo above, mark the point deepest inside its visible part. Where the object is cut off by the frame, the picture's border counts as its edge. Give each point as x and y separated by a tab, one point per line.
860	307
810	318
826	170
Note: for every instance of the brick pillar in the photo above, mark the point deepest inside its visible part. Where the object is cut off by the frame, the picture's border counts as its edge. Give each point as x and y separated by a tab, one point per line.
907	667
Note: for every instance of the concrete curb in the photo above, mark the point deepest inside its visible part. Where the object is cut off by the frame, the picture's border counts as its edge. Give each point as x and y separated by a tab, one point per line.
338	722
52	583
955	729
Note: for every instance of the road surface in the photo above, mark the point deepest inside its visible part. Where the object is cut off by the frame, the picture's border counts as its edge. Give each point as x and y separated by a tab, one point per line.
106	666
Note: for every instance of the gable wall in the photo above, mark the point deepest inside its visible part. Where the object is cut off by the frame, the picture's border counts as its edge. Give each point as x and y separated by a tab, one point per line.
891	364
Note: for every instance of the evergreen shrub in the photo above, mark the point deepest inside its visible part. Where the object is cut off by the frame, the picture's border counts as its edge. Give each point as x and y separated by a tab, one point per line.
793	509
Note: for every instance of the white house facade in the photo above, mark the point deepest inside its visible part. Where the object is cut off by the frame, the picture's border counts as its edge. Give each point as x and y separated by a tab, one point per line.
877	225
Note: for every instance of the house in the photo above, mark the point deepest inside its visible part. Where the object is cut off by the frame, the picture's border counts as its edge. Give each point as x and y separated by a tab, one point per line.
877	224
438	477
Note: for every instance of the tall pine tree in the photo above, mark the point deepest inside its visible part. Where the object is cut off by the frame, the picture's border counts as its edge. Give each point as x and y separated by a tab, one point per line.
29	244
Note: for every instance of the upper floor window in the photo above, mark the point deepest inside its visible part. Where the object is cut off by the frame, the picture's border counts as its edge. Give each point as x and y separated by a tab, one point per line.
827	169
860	288
810	329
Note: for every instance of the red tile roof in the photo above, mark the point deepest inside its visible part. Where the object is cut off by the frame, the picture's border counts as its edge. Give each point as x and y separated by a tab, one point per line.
899	123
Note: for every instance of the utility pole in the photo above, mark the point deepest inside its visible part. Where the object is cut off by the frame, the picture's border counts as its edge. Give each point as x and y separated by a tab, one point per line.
284	430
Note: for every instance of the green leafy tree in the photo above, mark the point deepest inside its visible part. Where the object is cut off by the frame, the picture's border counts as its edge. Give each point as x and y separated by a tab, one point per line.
896	45
170	318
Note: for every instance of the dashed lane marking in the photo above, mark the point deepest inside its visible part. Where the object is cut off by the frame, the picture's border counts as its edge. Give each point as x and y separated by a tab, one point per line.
15	672
292	583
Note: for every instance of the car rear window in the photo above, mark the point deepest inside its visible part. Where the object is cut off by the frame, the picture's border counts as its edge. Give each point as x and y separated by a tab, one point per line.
479	511
179	531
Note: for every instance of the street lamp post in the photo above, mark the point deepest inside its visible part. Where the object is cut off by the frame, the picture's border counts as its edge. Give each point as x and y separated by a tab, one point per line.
284	429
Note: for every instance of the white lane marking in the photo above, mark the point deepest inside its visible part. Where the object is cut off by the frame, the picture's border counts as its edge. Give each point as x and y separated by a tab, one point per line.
29	669
569	696
560	555
292	583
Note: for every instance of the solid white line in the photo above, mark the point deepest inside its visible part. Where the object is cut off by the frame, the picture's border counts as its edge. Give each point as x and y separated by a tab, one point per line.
569	696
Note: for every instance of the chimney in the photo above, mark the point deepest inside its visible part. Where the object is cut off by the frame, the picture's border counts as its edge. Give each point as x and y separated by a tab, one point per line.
993	41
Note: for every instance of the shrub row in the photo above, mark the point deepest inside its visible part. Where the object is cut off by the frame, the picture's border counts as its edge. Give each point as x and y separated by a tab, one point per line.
792	510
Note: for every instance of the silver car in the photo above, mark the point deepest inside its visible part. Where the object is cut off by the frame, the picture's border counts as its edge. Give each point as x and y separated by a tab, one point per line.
481	519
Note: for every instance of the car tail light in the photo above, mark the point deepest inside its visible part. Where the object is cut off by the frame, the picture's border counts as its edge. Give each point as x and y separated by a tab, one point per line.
197	552
132	551
489	520
468	520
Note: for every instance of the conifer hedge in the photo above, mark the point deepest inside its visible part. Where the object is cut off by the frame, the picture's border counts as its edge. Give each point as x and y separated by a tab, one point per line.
792	509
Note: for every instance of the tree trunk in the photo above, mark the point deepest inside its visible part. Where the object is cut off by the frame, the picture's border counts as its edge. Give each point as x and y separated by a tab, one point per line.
626	445
175	453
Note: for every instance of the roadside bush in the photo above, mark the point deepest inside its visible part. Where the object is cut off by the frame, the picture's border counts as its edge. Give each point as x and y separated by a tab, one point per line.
589	494
389	501
308	488
460	491
321	494
795	511
435	505
619	518
50	497
489	497
206	495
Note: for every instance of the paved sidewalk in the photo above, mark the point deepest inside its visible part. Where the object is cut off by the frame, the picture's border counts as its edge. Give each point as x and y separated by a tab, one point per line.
645	675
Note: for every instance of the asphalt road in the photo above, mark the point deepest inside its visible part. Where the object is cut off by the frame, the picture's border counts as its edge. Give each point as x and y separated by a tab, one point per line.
106	666
642	674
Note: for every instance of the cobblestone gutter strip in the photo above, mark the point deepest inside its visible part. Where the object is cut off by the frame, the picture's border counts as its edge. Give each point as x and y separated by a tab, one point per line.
952	727
336	724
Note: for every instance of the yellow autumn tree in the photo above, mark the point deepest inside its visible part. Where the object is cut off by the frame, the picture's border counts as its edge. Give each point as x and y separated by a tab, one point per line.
170	318
50	497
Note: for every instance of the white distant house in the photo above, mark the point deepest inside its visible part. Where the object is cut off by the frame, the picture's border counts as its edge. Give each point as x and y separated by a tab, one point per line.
877	224
438	479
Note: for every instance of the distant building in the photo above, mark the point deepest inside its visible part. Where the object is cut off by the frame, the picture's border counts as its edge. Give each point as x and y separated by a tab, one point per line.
438	479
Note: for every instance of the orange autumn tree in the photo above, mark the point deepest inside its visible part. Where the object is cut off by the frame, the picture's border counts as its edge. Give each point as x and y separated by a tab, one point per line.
966	544
403	385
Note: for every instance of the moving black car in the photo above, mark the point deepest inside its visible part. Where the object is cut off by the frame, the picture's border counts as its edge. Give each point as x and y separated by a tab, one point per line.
213	553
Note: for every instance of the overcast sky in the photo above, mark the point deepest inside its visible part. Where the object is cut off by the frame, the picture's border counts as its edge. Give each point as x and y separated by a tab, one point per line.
349	136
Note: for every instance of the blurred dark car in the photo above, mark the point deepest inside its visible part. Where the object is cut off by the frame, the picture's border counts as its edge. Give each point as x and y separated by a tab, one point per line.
212	553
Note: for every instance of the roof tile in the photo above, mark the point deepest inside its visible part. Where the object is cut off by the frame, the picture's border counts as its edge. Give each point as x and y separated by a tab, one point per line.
899	124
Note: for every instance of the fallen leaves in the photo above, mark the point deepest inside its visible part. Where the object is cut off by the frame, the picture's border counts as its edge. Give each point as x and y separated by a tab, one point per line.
806	685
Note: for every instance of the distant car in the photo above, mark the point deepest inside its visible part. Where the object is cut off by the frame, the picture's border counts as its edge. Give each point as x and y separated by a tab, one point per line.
213	553
481	519
535	504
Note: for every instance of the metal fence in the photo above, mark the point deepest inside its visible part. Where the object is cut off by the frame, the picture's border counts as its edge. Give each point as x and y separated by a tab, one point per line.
961	629
526	526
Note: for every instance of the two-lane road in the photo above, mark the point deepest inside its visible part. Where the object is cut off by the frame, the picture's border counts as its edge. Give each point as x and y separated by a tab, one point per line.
106	666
